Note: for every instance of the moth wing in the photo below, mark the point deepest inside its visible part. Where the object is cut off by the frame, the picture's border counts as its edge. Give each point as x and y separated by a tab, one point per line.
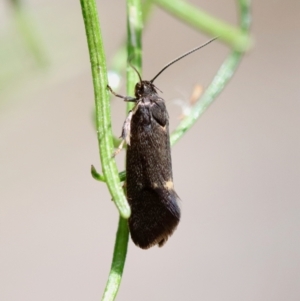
159	112
156	214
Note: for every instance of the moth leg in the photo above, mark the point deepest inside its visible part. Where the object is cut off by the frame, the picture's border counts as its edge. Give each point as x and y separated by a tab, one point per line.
126	98
125	133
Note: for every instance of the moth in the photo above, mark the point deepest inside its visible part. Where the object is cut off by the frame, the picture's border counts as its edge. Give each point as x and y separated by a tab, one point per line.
155	210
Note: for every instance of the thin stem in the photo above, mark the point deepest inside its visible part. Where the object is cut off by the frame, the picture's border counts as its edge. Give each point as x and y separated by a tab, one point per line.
103	114
119	60
219	82
201	20
117	266
134	44
134	32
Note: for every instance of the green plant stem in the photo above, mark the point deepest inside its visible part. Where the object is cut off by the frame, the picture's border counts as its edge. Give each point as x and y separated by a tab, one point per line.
219	82
234	37
117	266
134	46
103	114
119	59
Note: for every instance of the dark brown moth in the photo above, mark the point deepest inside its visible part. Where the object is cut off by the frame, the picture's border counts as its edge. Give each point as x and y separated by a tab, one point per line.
155	211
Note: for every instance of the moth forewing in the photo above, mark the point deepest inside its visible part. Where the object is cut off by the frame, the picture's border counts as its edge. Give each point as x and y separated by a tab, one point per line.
155	212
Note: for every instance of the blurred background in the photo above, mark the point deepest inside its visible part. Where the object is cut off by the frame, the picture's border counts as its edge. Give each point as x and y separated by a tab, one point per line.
237	170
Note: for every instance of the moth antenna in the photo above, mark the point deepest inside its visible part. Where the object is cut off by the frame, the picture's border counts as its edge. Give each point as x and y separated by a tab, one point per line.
181	57
158	89
136	71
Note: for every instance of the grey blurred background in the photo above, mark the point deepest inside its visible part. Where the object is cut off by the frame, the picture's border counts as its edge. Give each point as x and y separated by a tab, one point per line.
237	171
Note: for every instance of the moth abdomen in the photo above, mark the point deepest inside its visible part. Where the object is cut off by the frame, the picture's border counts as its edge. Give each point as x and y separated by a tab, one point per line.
155	216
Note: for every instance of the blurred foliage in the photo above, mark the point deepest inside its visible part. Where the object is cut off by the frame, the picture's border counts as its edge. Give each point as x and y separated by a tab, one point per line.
22	53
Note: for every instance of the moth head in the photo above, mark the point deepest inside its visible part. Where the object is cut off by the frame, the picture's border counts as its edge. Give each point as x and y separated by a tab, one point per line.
144	88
